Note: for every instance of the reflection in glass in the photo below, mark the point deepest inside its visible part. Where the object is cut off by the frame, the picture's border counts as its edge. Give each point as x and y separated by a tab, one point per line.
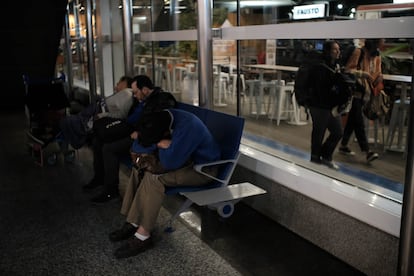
173	65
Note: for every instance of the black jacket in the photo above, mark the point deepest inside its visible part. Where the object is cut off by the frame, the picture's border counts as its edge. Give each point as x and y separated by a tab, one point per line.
324	88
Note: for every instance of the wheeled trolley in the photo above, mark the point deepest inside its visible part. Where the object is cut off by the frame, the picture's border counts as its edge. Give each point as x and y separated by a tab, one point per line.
45	105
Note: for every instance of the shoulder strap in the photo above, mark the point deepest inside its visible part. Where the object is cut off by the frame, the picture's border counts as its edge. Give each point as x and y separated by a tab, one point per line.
327	67
360	58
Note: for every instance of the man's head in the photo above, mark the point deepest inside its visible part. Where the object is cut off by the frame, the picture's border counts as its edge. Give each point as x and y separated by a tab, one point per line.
142	86
155	126
123	83
331	50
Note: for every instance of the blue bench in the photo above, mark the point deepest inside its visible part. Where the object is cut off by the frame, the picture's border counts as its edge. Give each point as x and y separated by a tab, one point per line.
227	131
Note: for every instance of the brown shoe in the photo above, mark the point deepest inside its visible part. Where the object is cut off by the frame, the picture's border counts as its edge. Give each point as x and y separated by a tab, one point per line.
127	231
132	247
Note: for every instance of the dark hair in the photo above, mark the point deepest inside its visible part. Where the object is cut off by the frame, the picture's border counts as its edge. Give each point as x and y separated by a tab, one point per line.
153	127
327	47
326	50
372	45
127	79
143	81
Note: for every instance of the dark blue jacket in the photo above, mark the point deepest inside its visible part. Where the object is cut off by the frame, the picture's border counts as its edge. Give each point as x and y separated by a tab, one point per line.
190	141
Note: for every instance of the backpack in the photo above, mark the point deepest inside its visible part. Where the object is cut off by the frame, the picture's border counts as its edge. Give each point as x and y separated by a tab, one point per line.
302	90
303	87
377	106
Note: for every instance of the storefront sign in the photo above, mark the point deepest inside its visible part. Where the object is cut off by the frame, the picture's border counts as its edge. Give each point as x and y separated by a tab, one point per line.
309	11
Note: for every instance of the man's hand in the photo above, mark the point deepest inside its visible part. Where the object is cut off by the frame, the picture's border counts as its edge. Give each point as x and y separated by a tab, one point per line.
164	144
134	135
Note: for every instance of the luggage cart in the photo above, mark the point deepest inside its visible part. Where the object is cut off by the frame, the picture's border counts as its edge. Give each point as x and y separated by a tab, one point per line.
45	105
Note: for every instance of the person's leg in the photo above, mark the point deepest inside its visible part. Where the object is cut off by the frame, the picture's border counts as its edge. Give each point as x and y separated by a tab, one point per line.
98	166
128	229
145	206
359	126
143	209
111	153
362	136
335	135
130	192
319	121
348	130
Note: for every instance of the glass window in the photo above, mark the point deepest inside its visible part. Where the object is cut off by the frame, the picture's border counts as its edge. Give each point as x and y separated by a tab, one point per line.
254	65
77	27
79	45
164	15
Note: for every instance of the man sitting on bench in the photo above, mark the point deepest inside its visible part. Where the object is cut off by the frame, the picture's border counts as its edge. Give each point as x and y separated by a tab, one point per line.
188	143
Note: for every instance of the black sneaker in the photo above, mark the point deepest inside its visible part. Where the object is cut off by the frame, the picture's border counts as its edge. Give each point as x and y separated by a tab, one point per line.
92	184
371	156
132	247
128	230
346	151
104	197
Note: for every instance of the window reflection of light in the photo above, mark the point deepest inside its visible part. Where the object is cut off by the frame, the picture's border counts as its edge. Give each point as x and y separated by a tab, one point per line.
402	1
141	7
294	170
374	199
192	220
256	3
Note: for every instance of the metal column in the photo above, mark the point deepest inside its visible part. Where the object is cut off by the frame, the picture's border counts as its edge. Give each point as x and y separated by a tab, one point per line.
90	49
406	252
68	55
205	54
128	42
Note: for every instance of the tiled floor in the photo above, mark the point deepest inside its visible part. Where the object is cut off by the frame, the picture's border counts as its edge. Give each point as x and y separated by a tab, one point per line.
48	227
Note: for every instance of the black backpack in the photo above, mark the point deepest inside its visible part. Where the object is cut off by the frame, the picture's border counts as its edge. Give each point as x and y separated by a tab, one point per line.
303	88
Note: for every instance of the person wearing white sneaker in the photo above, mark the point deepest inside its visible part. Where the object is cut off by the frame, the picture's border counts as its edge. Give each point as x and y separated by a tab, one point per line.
346	151
325	96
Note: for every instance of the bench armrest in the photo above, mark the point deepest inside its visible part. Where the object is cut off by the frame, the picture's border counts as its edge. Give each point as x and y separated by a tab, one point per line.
199	169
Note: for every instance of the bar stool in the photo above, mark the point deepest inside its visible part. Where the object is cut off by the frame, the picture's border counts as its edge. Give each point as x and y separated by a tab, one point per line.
397	121
287	107
180	72
190	84
141	69
282	106
221	80
233	86
261	108
252	84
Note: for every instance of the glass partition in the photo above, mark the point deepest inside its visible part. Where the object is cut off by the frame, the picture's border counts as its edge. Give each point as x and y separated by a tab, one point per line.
266	67
78	22
256	53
